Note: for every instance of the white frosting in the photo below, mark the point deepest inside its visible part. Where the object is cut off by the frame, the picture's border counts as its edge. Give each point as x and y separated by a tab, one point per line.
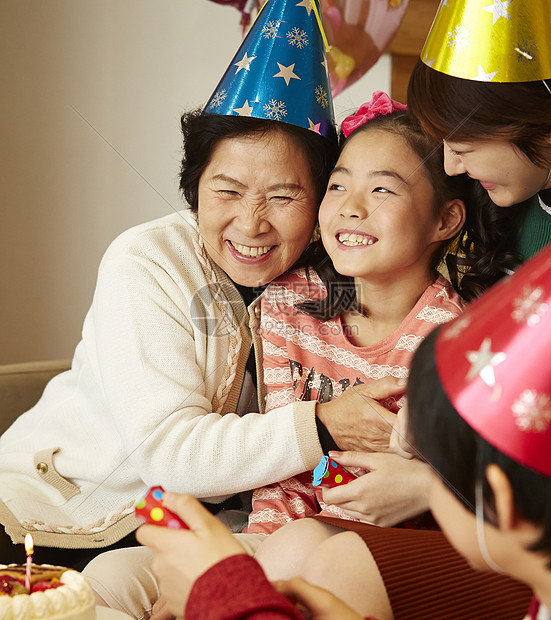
74	600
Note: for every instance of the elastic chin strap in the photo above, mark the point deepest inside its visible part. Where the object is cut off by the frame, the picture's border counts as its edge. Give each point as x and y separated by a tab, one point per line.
479	507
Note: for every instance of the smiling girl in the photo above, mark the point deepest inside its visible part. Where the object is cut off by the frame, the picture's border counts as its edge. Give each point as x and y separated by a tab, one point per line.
387	219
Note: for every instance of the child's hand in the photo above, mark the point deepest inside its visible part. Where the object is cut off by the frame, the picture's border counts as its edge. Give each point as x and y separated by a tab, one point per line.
393	490
181	556
319	603
398	438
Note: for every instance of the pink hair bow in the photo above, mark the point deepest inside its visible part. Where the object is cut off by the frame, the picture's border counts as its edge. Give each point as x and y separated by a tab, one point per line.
380	105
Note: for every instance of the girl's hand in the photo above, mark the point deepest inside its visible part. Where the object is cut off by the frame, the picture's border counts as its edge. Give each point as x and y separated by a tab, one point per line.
393	490
181	556
315	603
356	420
399	443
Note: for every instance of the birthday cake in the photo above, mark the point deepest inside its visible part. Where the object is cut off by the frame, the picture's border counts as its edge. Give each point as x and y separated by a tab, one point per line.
57	593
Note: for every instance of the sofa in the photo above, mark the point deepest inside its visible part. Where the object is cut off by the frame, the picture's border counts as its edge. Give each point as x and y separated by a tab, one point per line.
21	385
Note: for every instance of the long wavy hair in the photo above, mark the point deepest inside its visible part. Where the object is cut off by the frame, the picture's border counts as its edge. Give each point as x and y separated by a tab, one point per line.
484	252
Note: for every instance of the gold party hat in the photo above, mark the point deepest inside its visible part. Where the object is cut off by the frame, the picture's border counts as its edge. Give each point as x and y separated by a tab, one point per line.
491	40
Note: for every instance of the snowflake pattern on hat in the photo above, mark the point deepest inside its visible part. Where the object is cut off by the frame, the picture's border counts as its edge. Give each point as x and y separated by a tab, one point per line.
529	307
532	411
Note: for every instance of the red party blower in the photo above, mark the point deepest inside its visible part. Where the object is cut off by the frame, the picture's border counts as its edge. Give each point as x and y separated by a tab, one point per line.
329	474
150	509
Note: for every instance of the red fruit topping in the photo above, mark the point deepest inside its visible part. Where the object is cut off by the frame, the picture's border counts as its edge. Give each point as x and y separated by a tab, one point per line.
40	586
11	586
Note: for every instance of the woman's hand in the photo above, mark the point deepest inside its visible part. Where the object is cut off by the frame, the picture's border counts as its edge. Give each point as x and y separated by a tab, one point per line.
356	421
315	603
394	489
181	556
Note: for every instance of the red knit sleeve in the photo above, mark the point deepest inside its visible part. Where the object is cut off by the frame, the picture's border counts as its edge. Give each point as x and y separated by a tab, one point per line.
234	589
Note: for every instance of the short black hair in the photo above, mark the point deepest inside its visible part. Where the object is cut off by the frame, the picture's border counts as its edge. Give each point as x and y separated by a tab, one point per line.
203	132
459	456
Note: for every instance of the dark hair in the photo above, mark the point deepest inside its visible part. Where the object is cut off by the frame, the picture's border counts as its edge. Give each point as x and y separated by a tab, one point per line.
459	456
469	110
485	250
203	132
341	295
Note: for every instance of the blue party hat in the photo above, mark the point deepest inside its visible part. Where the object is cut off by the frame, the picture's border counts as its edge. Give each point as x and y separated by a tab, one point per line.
280	70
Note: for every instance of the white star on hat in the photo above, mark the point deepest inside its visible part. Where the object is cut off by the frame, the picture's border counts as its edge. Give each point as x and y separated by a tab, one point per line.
483	362
498	9
428	62
483	76
244	63
246	110
286	73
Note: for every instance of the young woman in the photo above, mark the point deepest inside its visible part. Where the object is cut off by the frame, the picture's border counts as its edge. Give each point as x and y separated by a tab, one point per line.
490	104
498	134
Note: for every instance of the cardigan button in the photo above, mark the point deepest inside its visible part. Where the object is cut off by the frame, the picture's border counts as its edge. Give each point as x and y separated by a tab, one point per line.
257	311
42	468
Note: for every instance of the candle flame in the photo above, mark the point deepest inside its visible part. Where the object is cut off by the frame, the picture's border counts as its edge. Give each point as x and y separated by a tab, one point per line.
29	546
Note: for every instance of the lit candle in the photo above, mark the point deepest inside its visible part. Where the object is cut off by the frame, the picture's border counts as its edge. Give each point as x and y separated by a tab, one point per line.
29	548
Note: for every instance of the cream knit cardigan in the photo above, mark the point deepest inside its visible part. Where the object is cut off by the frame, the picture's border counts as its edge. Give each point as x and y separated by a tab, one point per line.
148	400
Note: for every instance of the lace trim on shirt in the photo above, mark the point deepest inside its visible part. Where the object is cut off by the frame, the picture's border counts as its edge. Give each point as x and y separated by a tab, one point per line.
545	207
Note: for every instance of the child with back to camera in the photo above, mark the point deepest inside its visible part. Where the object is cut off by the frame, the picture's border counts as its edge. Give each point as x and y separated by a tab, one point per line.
480	414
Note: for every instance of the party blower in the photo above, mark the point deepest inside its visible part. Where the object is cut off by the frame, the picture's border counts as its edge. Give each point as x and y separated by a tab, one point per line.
330	474
151	510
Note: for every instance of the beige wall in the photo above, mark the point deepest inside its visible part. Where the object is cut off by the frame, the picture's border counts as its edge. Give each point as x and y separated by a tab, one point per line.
92	91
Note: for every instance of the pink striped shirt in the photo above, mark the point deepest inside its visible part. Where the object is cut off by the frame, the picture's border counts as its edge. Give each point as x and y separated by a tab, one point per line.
308	359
